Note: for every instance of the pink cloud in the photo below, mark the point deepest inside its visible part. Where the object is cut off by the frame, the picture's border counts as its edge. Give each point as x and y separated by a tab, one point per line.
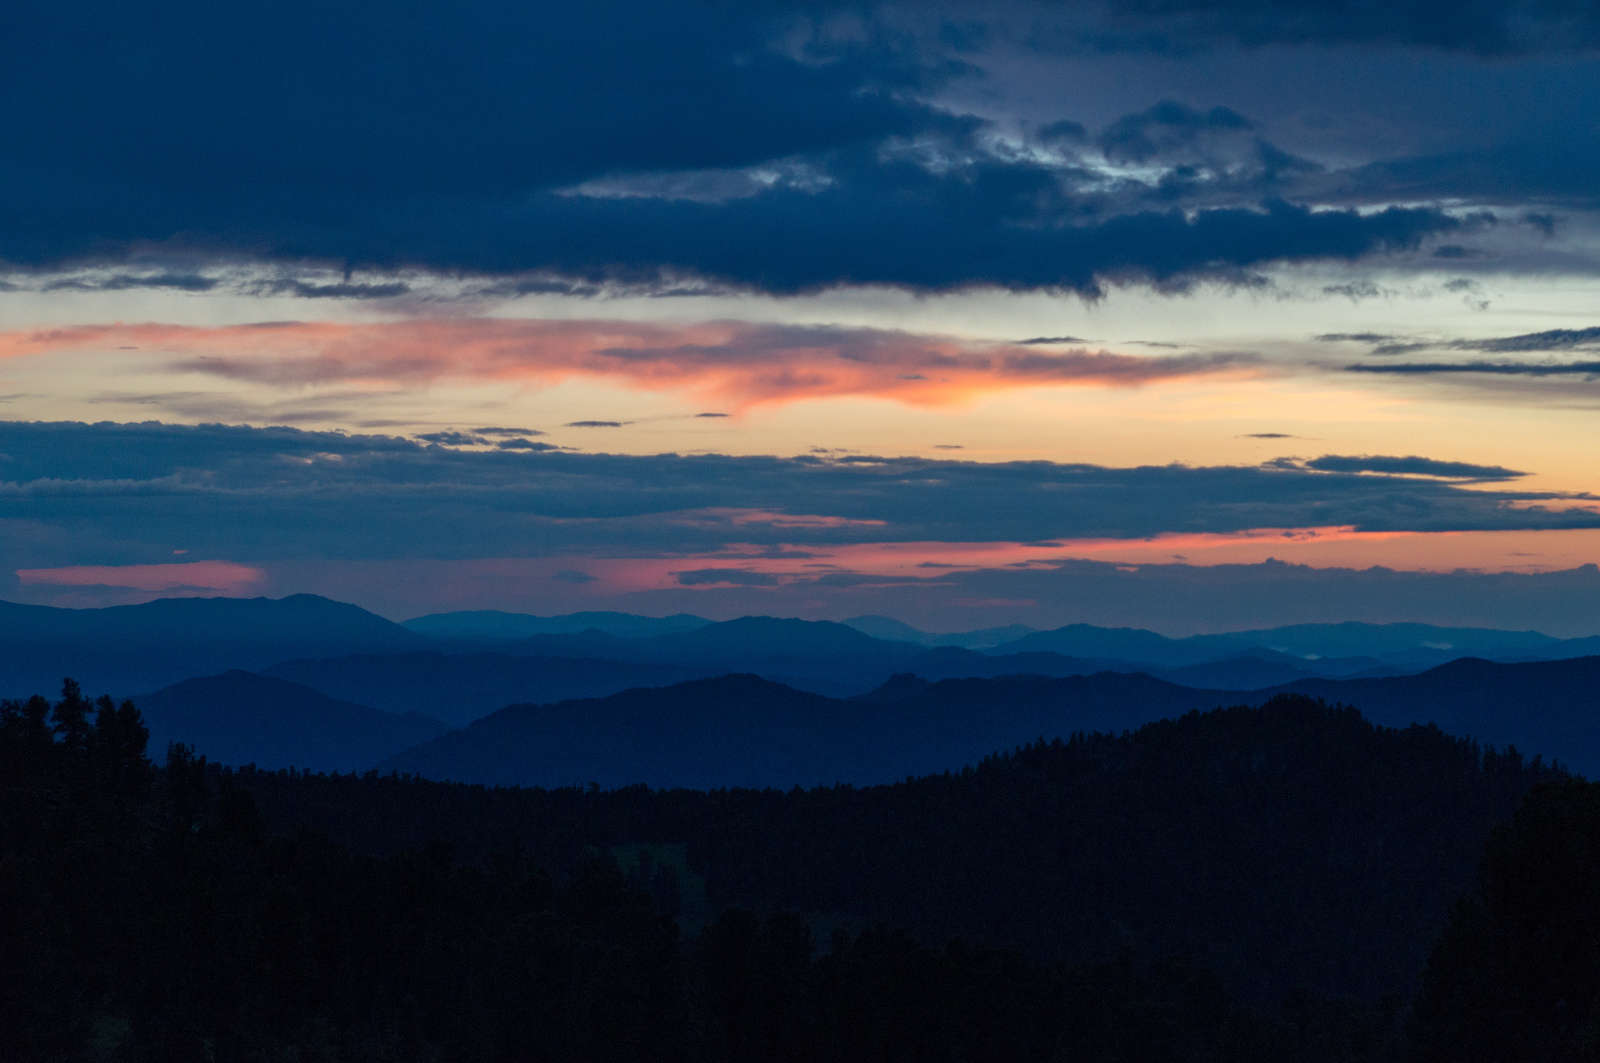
225	576
732	362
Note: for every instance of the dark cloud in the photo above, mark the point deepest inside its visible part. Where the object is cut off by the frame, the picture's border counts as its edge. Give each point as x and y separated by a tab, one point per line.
186	282
1353	337
689	145
736	576
1544	221
481	99
1561	339
123	493
1481	27
1269	435
572	575
711	415
1544	161
342	290
1413	466
454	439
1492	368
595	424
1003	222
1550	340
1355	291
992	231
524	444
1051	340
508	431
1165	130
237	127
673	146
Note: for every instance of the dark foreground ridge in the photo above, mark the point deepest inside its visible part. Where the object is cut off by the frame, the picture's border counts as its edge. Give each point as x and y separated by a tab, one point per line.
1283	846
1243	884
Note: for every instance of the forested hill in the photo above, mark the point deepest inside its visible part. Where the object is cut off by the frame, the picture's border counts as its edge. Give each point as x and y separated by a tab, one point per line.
150	917
1290	845
1549	706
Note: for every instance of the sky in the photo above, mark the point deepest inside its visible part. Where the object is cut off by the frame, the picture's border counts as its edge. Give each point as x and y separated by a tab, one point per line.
1192	315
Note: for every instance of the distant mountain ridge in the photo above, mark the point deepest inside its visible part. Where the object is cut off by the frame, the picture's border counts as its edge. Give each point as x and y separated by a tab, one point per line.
461	687
1412	646
741	730
884	627
496	625
127	649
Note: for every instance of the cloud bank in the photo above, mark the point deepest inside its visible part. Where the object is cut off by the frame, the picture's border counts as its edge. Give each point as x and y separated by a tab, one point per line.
112	494
772	147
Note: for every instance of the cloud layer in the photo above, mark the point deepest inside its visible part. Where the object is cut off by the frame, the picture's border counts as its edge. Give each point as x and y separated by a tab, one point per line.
775	147
76	494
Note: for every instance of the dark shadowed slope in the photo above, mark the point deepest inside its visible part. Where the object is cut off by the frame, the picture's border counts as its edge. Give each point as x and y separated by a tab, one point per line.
1241	673
1127	644
244	718
459	688
1295	846
129	648
1254	672
740	730
749	637
815	655
1548	707
495	625
885	627
736	730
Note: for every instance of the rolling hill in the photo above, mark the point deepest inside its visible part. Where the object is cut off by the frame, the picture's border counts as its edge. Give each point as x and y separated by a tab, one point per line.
459	688
243	718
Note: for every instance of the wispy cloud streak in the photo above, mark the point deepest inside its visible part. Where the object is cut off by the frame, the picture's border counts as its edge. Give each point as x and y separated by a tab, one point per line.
737	363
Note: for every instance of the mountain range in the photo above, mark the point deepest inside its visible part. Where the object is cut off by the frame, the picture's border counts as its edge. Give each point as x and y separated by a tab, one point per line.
459	688
343	669
741	730
127	649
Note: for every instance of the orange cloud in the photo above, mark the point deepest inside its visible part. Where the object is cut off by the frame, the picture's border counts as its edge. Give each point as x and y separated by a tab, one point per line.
737	363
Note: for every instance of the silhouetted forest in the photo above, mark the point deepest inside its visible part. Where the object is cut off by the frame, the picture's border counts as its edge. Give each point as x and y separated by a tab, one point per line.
156	914
1287	847
1516	975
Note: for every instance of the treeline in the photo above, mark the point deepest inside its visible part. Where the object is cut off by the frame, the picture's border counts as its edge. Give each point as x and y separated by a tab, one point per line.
151	915
155	914
1294	847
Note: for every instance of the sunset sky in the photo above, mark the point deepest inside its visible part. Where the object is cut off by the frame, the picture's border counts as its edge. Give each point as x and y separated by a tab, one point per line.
962	313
